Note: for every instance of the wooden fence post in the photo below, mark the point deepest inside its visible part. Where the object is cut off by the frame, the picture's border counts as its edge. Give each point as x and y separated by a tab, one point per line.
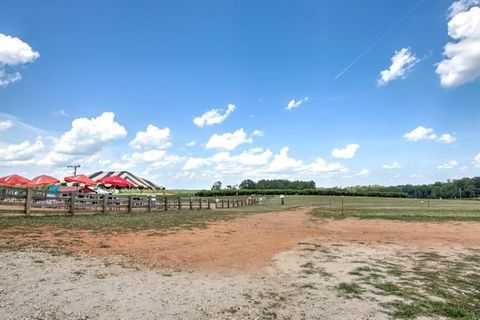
165	204
130	203
223	205
105	202
228	203
28	201
208	203
179	203
149	207
200	202
72	203
191	204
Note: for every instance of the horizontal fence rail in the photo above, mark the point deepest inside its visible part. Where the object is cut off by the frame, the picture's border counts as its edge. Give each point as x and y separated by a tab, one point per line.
27	201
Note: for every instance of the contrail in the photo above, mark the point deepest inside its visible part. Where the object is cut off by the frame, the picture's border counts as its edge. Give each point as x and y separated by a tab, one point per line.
386	33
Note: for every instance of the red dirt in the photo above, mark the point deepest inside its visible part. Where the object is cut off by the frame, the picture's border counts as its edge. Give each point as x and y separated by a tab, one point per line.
246	244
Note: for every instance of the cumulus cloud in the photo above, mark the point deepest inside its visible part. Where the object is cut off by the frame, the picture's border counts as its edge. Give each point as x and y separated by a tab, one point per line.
22	151
394	165
321	166
281	162
477	161
5	124
191	143
194	163
152	138
88	136
449	165
258	133
13	52
346	153
228	141
292	104
422	133
462	57
446	138
213	116
402	62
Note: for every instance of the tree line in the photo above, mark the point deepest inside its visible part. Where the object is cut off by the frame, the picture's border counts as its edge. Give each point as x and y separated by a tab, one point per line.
451	189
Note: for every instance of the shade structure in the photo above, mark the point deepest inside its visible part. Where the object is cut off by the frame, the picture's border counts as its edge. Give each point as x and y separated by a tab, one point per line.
14	180
80	179
42	180
115	181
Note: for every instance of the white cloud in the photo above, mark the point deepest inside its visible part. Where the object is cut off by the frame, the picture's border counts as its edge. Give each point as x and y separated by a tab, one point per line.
152	138
449	165
420	133
148	156
22	151
477	161
460	6
394	165
292	104
194	163
13	52
191	143
282	162
228	141
213	116
258	133
321	166
61	113
346	153
446	138
364	173
5	124
402	62
88	136
462	62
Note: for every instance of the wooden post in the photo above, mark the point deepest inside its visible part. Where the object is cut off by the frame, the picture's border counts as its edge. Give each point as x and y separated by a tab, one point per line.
105	201
130	203
191	204
228	203
28	201
166	204
149	204
72	203
179	203
208	203
223	204
200	202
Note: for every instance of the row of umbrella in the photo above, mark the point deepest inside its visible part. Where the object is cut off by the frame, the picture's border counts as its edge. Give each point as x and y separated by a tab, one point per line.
44	180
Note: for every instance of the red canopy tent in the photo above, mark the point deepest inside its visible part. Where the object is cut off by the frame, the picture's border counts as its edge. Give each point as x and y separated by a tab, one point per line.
81	179
14	180
115	181
43	180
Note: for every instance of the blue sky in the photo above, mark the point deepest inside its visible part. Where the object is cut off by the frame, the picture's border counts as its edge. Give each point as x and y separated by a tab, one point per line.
380	92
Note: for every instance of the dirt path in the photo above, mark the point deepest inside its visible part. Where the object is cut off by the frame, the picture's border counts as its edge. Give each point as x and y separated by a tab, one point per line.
247	244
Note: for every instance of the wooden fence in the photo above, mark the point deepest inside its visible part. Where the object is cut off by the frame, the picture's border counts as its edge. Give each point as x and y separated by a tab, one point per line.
31	201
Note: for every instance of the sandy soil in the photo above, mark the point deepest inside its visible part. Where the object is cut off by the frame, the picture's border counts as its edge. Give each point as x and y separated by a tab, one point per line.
248	268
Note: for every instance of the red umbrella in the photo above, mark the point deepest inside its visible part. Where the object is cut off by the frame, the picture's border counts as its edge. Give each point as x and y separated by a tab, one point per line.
14	180
115	181
43	180
81	179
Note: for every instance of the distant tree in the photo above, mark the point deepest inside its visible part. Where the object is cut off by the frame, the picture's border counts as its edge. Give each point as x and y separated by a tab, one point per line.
248	184
217	186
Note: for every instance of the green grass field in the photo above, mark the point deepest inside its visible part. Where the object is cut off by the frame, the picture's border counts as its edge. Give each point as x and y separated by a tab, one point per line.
322	207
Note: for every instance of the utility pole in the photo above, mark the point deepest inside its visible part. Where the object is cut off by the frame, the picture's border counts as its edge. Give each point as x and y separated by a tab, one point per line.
74	167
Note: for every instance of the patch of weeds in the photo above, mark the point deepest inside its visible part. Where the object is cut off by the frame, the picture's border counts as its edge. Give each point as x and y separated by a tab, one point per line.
231	310
38	261
79	272
308	286
349	289
389	288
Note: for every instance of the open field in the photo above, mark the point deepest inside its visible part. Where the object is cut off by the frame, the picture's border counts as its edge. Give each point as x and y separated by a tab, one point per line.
382	258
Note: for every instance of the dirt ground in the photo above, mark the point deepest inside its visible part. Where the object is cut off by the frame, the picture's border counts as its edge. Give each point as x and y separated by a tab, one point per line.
251	267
